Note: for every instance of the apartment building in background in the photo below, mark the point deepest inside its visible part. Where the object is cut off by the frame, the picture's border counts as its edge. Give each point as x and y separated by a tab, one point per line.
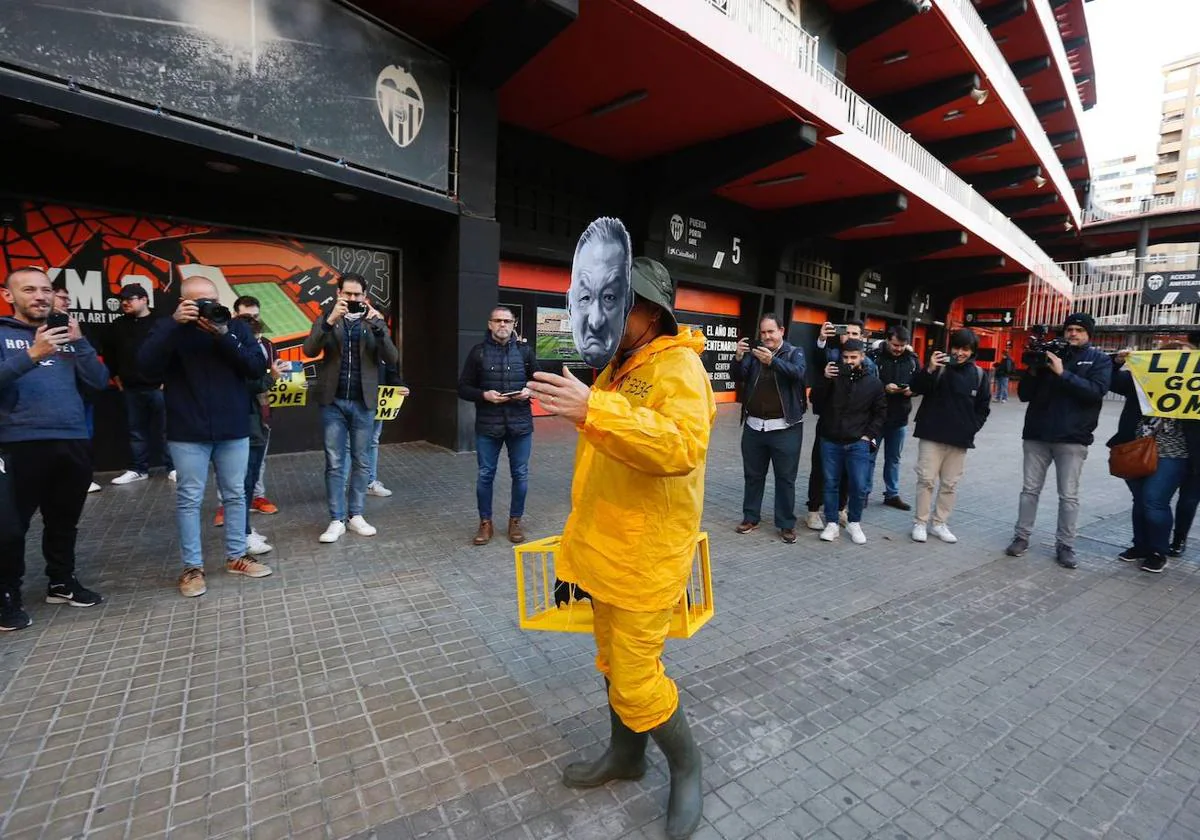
1177	170
1124	182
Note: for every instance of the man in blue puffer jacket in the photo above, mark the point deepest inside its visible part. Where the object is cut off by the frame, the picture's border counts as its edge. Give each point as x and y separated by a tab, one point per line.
1065	397
494	378
773	416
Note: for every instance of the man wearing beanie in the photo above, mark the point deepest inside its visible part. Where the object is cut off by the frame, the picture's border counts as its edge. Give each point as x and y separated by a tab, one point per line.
636	501
854	407
1065	394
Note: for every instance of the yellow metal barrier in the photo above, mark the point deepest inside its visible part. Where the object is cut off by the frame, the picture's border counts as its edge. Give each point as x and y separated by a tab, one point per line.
536	609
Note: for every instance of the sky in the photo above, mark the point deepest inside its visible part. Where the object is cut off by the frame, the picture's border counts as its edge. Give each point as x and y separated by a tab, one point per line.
1131	40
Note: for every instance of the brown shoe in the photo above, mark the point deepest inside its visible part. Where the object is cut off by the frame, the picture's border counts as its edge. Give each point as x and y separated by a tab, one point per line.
896	502
788	535
515	534
484	535
191	583
248	566
746	527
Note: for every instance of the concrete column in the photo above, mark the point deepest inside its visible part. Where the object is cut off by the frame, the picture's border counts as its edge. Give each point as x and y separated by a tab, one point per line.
1143	241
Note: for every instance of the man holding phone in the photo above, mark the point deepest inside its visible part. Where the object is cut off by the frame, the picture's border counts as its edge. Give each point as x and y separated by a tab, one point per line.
45	451
897	366
353	339
493	378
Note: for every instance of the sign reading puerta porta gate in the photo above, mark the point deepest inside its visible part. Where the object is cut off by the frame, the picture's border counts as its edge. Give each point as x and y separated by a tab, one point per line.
313	75
1170	288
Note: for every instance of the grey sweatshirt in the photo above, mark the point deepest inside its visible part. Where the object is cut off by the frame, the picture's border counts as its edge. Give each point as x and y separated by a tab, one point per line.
41	400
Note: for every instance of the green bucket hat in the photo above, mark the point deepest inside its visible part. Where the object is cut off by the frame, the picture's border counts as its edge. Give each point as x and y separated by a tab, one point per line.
651	280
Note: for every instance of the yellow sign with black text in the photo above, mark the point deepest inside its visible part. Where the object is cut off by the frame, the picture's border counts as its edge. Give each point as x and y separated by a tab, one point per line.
1168	382
289	389
387	406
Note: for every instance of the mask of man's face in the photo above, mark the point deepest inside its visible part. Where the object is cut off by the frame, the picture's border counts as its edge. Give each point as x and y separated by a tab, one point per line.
1075	335
600	296
30	295
852	358
852	331
771	334
960	355
896	346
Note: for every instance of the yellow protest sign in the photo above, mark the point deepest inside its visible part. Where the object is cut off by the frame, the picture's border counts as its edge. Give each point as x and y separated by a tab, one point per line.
1168	382
387	406
289	389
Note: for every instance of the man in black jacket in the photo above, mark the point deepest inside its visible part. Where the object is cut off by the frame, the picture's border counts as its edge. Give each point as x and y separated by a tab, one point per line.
494	378
145	412
1003	372
352	339
204	363
1065	396
956	404
852	414
773	416
897	365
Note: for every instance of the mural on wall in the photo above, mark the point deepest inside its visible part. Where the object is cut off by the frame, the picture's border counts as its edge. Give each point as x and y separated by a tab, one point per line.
95	253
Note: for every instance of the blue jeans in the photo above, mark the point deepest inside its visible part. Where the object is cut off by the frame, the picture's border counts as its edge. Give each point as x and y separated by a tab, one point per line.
229	458
254	462
855	459
892	446
146	416
1002	388
487	451
1185	508
375	451
778	450
1152	504
347	423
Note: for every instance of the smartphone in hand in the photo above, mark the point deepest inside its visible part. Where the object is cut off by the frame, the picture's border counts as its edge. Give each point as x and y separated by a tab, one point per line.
57	320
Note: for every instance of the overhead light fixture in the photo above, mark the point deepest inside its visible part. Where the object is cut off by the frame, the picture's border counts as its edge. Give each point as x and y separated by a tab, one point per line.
631	98
345	196
34	121
992	156
1067	226
980	96
884	223
224	167
782	179
896	58
1039	181
953	115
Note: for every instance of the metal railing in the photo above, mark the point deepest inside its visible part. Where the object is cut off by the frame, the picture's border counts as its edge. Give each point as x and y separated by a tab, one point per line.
1110	290
1098	211
765	22
1014	95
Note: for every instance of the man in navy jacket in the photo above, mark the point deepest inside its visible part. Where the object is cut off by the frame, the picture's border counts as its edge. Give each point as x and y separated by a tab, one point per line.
204	363
1065	397
773	415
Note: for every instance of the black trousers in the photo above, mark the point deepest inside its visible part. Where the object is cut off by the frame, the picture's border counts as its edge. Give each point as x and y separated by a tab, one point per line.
51	476
816	480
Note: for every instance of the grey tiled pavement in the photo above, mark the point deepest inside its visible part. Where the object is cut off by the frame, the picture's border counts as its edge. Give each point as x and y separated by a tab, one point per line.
380	687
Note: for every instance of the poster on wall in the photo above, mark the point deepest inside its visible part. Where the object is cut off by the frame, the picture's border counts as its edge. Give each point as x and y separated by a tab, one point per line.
554	341
313	75
95	253
721	336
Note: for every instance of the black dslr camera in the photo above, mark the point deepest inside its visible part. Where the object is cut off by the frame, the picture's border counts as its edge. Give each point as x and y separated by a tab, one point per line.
213	311
1036	348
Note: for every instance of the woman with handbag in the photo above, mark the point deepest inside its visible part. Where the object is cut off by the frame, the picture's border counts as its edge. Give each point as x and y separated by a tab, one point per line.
1155	456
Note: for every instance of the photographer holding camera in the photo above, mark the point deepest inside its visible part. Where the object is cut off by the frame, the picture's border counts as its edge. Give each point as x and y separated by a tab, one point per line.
354	339
1065	394
203	358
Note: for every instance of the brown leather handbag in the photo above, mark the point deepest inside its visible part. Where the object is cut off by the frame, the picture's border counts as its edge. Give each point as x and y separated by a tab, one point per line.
1136	459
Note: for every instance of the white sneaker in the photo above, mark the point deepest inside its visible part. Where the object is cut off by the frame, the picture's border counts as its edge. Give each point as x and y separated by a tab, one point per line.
173	475
831	532
360	526
256	544
376	488
854	529
843	519
129	476
94	487
334	532
943	533
919	534
813	521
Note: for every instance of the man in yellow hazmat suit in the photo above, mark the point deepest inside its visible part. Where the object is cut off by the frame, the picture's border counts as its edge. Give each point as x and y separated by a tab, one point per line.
636	501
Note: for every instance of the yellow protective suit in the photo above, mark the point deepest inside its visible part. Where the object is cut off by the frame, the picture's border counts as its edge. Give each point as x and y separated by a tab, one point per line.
636	502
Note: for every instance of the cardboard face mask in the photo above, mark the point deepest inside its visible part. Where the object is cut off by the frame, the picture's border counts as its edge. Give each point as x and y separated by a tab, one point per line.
601	295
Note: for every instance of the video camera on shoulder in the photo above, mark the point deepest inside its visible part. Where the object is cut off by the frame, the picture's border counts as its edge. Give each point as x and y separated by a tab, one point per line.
1038	345
213	311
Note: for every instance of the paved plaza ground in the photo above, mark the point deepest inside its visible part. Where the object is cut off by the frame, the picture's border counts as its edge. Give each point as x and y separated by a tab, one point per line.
380	687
